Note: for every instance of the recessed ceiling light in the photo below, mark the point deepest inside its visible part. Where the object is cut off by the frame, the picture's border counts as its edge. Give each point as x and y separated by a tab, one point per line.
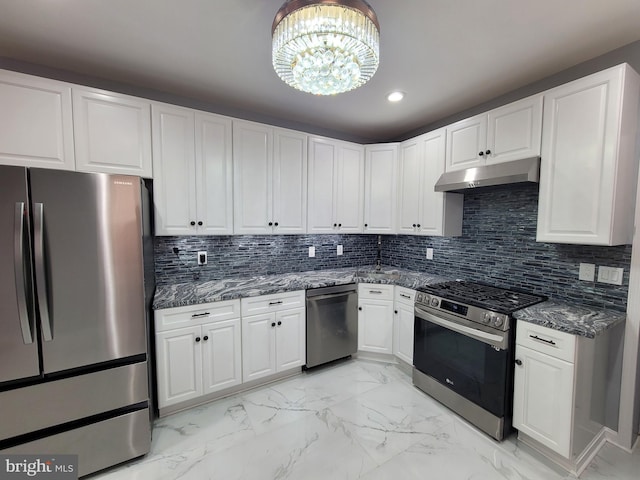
395	96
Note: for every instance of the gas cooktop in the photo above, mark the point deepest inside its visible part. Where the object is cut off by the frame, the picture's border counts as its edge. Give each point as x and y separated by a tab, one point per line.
500	300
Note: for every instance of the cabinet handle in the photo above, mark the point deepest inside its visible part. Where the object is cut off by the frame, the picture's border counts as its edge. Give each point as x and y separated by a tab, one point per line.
418	225
279	323
414	225
276	224
335	225
279	302
200	223
205	338
535	337
488	152
192	223
197	339
339	225
196	315
270	224
405	296
377	292
481	154
366	225
518	362
395	311
360	308
273	324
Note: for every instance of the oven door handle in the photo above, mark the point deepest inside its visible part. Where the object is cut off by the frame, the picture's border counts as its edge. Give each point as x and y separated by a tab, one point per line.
499	341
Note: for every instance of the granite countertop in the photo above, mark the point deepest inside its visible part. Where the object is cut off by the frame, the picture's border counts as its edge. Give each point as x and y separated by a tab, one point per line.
579	320
194	293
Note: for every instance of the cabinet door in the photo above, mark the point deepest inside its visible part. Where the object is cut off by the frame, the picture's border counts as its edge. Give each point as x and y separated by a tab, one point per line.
350	189
290	339
289	182
543	399
409	186
380	188
321	194
252	178
403	332
36	127
440	213
465	140
514	131
174	184
258	346
214	174
582	175
375	326
179	363
112	133
221	355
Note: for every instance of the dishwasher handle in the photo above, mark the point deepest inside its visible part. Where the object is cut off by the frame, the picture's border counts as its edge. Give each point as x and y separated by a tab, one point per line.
331	296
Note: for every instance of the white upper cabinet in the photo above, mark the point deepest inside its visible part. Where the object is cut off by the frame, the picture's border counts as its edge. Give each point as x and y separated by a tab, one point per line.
270	179
421	210
192	172
507	133
589	161
336	186
36	126
380	181
112	132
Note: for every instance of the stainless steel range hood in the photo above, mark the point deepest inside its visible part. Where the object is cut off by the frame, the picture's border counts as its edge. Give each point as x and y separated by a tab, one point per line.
517	171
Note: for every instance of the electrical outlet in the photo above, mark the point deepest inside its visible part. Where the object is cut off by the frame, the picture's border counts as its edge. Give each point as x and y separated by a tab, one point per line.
339	250
429	253
202	258
312	251
587	272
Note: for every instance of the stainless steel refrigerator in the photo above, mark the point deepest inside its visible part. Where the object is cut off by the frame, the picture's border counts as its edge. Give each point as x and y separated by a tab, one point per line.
74	315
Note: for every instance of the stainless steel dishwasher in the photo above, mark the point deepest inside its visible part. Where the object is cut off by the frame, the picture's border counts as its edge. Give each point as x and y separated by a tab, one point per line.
332	323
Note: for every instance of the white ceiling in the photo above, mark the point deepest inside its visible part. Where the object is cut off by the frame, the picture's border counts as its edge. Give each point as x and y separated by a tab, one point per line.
447	55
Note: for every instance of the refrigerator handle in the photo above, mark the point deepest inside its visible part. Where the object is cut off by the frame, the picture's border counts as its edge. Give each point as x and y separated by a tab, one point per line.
26	324
41	280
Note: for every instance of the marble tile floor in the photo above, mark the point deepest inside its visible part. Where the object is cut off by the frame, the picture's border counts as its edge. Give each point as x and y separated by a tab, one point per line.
355	419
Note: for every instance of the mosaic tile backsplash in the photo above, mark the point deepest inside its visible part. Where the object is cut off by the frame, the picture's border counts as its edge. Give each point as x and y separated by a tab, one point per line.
497	246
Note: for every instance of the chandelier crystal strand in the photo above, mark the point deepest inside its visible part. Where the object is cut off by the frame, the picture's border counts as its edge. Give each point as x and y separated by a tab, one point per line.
326	48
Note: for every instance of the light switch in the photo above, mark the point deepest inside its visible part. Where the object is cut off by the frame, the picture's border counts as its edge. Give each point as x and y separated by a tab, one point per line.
312	251
429	253
587	272
610	275
340	250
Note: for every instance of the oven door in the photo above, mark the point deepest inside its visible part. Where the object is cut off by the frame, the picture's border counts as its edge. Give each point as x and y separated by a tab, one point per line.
472	362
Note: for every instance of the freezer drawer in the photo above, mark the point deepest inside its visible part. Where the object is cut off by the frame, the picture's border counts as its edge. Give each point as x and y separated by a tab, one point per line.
98	445
33	408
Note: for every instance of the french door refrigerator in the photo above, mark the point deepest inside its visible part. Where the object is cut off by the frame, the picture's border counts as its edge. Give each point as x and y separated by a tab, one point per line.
73	316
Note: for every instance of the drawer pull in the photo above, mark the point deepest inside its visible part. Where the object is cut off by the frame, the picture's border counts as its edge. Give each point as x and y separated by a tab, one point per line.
279	302
535	337
405	296
518	362
376	292
196	315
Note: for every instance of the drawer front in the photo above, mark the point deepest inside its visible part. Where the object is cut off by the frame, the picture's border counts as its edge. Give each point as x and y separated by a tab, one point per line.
180	317
404	295
375	291
546	340
273	303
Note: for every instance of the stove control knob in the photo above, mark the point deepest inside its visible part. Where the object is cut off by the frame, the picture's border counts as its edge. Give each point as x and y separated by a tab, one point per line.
419	297
497	321
486	318
434	302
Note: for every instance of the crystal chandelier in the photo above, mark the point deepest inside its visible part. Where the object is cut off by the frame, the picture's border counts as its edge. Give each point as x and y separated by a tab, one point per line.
326	47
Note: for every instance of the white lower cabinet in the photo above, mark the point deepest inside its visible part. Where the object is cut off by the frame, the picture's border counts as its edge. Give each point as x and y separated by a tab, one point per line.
375	318
273	334
198	351
562	401
403	321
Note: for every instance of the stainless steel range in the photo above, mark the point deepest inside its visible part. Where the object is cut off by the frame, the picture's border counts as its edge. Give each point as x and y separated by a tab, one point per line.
463	350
